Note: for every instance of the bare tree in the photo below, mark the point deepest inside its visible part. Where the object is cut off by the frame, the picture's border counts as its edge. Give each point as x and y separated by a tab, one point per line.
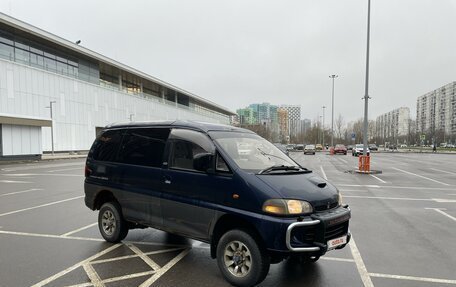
340	124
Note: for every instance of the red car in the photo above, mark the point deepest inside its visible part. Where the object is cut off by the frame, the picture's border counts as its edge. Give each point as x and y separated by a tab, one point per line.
340	148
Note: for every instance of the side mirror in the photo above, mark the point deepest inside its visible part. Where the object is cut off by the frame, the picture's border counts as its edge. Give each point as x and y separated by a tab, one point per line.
203	162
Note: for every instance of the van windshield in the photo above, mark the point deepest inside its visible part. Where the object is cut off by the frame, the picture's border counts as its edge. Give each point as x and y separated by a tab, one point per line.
251	152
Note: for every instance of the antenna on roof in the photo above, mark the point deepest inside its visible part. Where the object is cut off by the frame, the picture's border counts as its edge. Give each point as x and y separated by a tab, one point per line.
78	42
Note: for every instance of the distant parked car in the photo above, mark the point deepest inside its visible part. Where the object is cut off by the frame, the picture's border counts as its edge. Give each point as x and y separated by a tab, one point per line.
318	147
359	149
309	149
290	147
373	147
299	147
340	148
282	148
403	146
350	147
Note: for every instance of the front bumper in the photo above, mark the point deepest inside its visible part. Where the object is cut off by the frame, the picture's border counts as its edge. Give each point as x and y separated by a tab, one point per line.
313	234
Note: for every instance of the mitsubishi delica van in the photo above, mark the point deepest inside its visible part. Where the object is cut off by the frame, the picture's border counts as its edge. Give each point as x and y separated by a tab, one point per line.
218	184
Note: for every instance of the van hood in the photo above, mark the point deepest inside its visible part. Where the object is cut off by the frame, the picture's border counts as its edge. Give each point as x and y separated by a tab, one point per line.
303	186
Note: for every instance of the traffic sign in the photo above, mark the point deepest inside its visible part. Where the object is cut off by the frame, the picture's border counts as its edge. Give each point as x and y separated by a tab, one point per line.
353	136
422	137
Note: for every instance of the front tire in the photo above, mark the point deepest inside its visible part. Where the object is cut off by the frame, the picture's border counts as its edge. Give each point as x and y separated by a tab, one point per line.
111	224
242	261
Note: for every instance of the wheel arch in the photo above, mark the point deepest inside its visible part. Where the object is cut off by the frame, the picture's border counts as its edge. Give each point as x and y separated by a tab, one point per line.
229	222
102	197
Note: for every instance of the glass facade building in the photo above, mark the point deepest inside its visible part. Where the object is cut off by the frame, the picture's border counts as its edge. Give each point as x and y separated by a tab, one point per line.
88	91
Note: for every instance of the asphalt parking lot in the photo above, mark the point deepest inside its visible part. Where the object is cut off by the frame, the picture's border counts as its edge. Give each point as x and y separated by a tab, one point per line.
403	226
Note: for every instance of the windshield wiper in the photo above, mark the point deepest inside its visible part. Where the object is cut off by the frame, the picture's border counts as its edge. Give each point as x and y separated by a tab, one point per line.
268	154
279	167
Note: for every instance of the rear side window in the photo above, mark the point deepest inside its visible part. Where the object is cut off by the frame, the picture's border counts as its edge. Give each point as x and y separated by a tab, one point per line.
106	146
144	146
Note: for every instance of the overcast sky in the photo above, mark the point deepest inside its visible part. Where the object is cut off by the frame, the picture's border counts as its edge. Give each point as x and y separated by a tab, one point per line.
239	52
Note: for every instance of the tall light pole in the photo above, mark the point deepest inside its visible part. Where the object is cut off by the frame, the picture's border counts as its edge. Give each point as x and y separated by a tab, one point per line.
332	110
323	128
366	94
52	125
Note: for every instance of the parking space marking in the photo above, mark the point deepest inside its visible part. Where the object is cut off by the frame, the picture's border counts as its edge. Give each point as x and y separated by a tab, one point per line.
396	187
338	259
144	257
413	278
42	174
438	200
136	255
440	210
13	181
19	192
65	169
165	268
417	175
49	236
75	266
93	275
323	172
362	270
39	206
444	171
79	229
43	166
377	178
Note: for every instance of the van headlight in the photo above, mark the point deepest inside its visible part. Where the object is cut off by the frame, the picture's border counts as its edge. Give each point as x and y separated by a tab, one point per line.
287	207
339	198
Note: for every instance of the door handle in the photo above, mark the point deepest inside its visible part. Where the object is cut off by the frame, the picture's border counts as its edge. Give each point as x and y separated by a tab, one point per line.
167	179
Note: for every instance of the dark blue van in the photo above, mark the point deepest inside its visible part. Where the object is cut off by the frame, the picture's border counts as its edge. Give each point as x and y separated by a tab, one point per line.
219	184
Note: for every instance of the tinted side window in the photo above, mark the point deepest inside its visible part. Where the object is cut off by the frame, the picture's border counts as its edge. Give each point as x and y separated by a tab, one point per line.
144	146
106	146
185	145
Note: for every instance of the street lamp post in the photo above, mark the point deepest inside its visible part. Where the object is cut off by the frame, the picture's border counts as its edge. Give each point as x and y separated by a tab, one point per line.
52	125
323	127
366	94
332	110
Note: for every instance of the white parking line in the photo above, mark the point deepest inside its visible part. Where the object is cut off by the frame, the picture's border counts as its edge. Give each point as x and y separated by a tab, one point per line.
144	257
422	279
338	259
395	187
93	275
440	210
444	171
164	269
38	166
79	229
13	181
75	266
438	200
362	270
66	169
39	206
23	191
411	173
377	178
323	172
41	174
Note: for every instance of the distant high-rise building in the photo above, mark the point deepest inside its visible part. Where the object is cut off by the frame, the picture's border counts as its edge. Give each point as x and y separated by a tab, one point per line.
247	116
393	125
436	111
266	112
283	123
294	117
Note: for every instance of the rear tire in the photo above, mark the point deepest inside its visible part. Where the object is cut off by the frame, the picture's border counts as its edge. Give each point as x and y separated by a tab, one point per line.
242	261
111	224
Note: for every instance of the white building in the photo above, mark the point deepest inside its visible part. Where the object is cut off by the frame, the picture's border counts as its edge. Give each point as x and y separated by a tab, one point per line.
86	90
436	111
393	125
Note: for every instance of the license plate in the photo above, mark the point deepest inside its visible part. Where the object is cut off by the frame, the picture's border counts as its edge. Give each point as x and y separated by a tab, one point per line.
336	242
